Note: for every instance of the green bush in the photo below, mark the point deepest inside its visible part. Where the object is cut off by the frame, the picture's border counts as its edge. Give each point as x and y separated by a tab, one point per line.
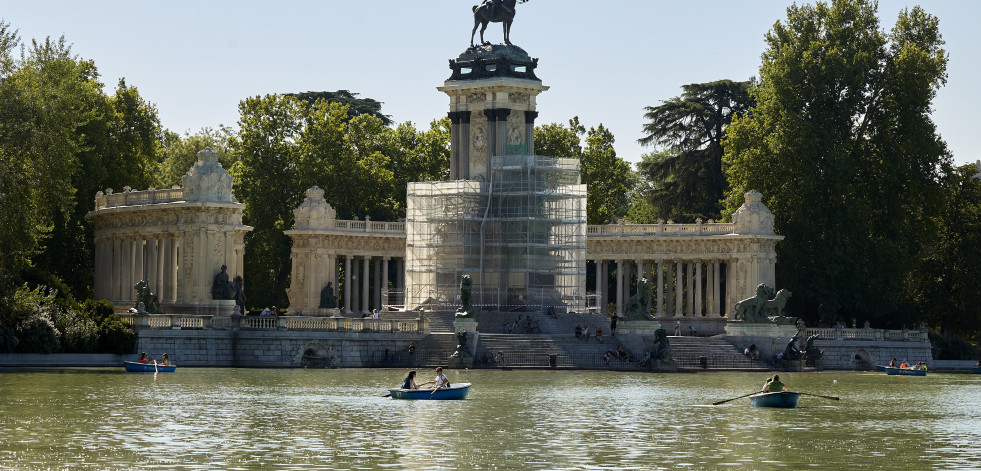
97	311
79	334
37	334
950	348
8	341
116	337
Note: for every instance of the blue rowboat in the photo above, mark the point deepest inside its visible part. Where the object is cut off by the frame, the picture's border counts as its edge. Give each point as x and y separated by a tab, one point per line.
455	391
785	399
136	367
976	371
880	367
905	372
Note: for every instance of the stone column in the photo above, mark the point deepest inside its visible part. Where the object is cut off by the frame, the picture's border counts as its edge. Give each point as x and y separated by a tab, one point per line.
378	284
698	288
365	275
384	282
709	281
530	131
454	144
689	291
620	287
500	135
174	266
599	286
716	291
348	279
678	290
161	243
151	264
400	275
660	289
491	135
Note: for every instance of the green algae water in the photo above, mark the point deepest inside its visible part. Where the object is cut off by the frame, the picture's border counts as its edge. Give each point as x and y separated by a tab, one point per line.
248	419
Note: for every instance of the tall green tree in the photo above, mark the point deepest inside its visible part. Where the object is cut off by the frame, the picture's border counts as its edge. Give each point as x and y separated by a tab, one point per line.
842	147
687	181
266	181
608	177
946	285
178	153
355	106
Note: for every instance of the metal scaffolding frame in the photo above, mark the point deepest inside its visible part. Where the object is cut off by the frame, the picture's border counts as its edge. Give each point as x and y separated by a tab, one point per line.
521	236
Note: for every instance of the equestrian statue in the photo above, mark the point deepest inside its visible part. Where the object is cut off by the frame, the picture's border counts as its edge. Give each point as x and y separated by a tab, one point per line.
493	11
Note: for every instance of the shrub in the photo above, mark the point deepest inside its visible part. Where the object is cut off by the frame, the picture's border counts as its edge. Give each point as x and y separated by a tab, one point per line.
37	334
97	311
8	341
79	334
950	348
116	337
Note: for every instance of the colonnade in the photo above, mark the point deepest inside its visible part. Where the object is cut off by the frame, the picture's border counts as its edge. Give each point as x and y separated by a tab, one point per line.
679	288
367	280
123	260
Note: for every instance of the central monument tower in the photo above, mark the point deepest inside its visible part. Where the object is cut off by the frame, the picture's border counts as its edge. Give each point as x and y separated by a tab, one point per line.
514	221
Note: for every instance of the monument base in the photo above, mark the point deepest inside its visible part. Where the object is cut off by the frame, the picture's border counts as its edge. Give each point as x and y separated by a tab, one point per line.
463	357
638	327
768	338
211	307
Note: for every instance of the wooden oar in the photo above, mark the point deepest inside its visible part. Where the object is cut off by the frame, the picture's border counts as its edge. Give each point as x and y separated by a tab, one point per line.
733	399
818	395
387	395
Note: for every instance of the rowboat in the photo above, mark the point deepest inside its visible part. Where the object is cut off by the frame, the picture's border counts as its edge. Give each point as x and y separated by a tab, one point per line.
454	391
976	371
136	367
785	399
880	367
905	372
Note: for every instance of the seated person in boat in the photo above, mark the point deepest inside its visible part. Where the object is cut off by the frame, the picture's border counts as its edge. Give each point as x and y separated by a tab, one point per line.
144	358
775	385
921	366
410	381
165	360
892	364
903	365
440	382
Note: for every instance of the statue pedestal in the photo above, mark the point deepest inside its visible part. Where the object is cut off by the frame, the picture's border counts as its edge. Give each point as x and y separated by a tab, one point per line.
211	307
638	327
795	366
768	338
461	360
328	312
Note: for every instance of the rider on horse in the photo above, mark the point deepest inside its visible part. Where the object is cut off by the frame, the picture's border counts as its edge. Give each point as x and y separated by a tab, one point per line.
495	5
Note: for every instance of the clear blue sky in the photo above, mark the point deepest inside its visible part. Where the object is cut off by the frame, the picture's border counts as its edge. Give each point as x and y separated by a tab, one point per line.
605	60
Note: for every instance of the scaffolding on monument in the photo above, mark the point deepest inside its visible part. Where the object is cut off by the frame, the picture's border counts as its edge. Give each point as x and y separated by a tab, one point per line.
521	236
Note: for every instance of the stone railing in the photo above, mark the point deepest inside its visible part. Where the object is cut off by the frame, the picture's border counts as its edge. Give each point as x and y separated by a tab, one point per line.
646	230
368	226
137	198
291	323
867	334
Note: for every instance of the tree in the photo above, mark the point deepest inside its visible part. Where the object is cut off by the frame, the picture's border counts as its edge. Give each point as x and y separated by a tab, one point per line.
686	175
608	178
947	284
841	144
355	106
266	181
178	153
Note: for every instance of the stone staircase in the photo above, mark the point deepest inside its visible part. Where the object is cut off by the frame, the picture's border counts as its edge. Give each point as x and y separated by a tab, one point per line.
502	345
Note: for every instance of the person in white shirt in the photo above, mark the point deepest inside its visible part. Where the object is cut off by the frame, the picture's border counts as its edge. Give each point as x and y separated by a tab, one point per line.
440	382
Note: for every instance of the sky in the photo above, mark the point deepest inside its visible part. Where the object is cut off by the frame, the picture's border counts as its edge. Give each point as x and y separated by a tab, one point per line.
604	60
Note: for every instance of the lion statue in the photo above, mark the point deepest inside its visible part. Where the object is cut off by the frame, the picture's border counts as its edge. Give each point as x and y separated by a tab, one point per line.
751	309
466	297
775	306
146	298
638	307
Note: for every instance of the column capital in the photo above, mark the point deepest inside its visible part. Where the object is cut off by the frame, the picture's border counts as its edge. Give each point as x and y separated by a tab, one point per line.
530	117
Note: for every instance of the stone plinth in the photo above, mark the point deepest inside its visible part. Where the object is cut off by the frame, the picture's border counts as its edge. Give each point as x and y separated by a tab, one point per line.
637	327
769	338
468	325
212	307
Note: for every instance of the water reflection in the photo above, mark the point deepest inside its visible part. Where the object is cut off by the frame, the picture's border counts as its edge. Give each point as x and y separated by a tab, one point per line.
337	419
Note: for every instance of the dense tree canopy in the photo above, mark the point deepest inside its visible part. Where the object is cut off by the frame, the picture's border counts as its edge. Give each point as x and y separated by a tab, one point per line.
841	144
608	177
284	147
685	173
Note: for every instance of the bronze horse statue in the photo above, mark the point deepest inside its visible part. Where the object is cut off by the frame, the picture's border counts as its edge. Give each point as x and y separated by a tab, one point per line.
493	11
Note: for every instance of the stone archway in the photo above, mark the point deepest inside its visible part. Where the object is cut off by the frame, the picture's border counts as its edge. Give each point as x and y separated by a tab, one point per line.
317	354
862	360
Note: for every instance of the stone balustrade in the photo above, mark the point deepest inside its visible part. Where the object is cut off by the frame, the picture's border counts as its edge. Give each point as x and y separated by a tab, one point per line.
370	227
656	230
138	198
826	333
277	323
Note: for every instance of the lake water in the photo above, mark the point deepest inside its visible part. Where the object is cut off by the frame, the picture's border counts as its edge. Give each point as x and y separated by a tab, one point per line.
336	419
